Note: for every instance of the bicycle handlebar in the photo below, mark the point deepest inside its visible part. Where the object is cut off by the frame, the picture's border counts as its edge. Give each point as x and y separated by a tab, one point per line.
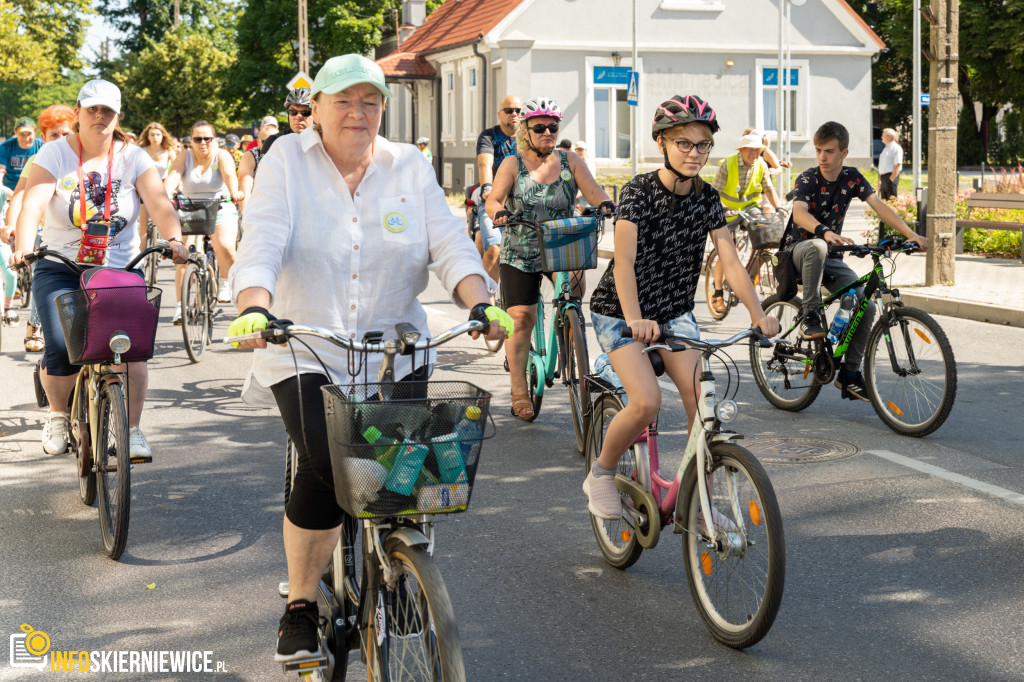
891	244
162	248
683	342
280	330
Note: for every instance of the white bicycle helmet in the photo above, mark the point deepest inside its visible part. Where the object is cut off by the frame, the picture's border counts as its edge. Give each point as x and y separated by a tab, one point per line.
540	106
298	96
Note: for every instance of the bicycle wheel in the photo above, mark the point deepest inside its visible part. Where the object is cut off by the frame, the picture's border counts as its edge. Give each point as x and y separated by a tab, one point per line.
212	288
764	275
113	470
25	286
916	398
784	373
83	451
709	287
421	639
736	574
290	467
577	365
533	379
194	312
616	539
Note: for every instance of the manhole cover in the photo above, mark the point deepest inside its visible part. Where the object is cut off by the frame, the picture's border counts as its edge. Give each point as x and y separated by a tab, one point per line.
798	450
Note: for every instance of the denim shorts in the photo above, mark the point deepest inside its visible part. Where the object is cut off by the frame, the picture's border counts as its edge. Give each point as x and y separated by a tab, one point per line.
489	234
607	330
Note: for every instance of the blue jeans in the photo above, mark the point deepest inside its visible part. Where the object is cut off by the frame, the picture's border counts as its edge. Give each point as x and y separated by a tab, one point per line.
489	234
607	330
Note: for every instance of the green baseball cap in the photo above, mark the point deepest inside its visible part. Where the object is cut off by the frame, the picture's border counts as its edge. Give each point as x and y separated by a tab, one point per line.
347	70
24	122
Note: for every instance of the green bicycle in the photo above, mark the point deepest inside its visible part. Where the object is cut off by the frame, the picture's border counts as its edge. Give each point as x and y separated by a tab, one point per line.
909	369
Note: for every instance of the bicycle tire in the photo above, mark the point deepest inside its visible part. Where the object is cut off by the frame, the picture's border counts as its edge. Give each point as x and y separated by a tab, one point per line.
113	470
764	276
916	404
86	484
772	370
495	346
429	648
25	286
709	288
194	312
212	287
577	365
290	467
618	550
533	379
737	589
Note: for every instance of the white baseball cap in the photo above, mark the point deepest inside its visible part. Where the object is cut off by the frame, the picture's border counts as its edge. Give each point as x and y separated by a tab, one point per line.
100	93
269	121
751	141
580	144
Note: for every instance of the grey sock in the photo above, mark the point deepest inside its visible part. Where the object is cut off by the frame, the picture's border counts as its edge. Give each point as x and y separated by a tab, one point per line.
600	471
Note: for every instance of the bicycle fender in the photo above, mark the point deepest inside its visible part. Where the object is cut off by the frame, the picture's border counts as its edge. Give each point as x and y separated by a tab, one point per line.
410	537
724	437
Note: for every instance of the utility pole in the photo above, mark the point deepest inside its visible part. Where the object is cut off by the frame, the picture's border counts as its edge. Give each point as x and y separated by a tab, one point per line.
177	12
303	38
944	16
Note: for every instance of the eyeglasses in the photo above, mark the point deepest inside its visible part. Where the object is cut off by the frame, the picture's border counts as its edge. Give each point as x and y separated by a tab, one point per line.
540	128
511	110
685	146
202	139
305	113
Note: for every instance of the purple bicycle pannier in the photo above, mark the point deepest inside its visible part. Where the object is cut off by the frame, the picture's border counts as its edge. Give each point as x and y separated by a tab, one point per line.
109	301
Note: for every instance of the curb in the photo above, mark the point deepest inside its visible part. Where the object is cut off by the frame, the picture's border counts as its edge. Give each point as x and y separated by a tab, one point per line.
967	310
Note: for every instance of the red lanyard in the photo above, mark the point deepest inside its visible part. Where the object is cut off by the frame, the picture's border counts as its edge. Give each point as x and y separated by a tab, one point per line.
81	183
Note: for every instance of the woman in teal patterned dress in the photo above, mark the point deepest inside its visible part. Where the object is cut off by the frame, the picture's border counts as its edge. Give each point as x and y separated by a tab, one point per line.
541	182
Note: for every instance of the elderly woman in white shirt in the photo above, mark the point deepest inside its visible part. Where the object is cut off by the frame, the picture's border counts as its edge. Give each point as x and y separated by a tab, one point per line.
317	250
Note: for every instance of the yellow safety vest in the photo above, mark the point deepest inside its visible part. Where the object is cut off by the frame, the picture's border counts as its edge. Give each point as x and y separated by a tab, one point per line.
732	196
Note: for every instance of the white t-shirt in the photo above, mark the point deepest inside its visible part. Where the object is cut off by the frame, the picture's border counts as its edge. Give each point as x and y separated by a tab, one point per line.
891	156
62	230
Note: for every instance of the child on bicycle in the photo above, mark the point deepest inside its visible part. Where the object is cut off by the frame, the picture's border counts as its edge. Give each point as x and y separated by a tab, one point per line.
664	220
821	199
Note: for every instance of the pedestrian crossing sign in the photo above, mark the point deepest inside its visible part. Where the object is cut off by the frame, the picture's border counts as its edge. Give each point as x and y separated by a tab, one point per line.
631	93
300	80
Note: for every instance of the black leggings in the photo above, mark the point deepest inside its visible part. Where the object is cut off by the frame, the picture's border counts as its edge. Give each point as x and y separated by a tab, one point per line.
312	504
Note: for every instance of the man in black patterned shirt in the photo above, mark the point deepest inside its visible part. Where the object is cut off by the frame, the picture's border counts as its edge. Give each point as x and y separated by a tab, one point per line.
822	196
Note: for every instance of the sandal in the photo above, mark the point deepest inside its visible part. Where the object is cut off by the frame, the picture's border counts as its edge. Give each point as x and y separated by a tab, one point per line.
34	340
718	304
11	318
522	407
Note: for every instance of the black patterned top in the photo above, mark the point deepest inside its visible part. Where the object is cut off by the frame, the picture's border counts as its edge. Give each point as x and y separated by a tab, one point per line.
539	202
671	233
826	201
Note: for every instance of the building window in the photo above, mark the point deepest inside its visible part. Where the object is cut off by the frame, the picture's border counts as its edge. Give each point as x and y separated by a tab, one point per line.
767	74
447	103
470	173
470	106
611	123
446	176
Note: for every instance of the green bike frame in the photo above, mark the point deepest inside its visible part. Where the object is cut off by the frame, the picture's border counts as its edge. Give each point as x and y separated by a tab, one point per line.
872	283
543	362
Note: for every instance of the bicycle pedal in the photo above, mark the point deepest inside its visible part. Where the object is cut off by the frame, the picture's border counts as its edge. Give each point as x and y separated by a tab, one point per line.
282	589
148	459
306	666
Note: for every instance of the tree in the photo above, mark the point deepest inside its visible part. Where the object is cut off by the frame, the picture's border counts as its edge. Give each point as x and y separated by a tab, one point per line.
177	82
38	38
140	21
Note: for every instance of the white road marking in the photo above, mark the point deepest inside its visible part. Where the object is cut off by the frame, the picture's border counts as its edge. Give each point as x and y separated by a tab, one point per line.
939	472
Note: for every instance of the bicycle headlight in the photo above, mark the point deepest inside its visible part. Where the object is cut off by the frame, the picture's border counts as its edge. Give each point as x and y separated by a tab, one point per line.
120	343
727	411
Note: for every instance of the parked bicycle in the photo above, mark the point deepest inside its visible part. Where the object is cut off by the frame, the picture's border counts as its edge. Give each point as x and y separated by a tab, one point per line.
735	563
391	604
104	328
201	280
757	236
909	369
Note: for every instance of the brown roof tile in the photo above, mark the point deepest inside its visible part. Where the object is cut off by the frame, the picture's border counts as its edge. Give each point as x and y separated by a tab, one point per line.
405	64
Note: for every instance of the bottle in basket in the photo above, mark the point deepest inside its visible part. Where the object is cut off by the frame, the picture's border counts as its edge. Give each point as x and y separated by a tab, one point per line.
406	469
446	496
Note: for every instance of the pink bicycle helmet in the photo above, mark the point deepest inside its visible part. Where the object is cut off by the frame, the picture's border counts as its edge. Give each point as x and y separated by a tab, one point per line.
540	106
682	109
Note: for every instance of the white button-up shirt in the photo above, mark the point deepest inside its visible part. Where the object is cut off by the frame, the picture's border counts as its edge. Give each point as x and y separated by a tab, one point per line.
891	156
351	263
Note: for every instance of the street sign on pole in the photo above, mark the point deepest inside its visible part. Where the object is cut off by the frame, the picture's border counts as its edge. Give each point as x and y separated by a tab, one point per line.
300	80
926	99
631	92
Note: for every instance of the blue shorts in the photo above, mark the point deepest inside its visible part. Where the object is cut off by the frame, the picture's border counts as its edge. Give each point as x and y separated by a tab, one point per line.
489	234
607	330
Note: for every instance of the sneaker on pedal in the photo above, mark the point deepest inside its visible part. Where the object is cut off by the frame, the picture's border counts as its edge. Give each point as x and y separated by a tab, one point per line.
298	634
224	293
177	314
852	385
56	433
605	502
811	328
139	448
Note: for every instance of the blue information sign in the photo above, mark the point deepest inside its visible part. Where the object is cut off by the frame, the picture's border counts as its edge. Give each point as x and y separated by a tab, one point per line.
611	75
926	99
771	77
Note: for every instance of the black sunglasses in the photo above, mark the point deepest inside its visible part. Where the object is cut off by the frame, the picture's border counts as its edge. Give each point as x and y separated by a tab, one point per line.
202	139
540	128
511	110
306	113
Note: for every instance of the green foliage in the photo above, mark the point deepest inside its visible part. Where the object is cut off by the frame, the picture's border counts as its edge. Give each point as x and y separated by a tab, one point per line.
29	99
142	21
994	242
969	150
267	57
176	82
39	38
1007	145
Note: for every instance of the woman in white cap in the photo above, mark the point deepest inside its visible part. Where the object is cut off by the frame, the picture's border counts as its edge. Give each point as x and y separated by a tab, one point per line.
114	176
316	251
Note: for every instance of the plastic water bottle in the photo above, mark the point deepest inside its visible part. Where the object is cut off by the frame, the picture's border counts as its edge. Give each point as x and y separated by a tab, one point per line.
842	318
469	429
603	368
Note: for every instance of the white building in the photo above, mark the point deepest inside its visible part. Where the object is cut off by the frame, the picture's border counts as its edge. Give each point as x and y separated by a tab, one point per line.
460	62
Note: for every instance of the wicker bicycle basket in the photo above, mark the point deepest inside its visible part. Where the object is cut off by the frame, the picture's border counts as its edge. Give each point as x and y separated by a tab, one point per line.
766	234
89	317
198	216
405	456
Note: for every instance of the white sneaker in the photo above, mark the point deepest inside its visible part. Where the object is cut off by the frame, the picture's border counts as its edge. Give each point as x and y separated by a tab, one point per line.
177	314
605	502
224	295
56	433
139	445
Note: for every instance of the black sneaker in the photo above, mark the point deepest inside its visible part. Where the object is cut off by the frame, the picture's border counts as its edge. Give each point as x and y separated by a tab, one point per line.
298	634
852	386
811	328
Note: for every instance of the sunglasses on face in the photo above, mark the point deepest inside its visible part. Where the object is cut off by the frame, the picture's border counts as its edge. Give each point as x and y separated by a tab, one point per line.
300	112
540	128
200	140
511	110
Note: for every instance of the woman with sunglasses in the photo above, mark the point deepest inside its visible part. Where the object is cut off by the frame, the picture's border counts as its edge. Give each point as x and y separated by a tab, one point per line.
208	172
300	117
542	183
664	220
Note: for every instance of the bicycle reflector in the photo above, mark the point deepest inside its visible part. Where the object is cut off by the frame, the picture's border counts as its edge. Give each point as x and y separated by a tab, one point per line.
120	343
727	411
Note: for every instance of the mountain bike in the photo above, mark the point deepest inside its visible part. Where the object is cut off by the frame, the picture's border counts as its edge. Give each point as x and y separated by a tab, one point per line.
735	563
198	299
567	248
391	603
757	236
98	405
909	369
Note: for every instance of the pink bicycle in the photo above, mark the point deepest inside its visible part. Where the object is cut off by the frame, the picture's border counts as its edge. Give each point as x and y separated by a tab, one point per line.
735	565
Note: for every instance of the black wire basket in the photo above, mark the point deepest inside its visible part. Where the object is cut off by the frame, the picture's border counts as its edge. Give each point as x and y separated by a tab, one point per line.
198	216
405	456
89	317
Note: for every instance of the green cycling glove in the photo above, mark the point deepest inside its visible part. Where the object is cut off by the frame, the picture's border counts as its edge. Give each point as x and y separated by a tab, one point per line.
251	319
491	313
